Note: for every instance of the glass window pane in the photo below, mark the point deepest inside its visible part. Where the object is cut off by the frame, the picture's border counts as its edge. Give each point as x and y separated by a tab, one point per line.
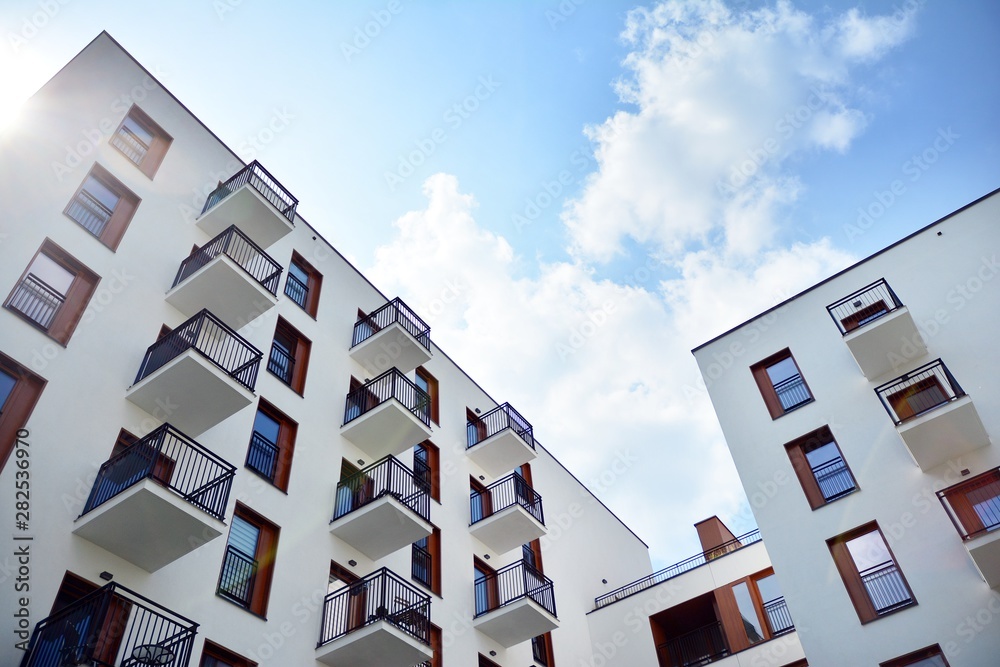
53	274
7	382
101	193
782	370
244	535
142	133
769	589
748	612
868	550
266	426
298	272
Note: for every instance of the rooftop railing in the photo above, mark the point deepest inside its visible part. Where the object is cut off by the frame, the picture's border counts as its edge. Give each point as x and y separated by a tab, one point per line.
678	568
974	504
393	312
381	596
238	247
263	182
503	493
209	336
864	306
391	384
496	420
112	627
910	395
174	460
512	583
386	477
697	647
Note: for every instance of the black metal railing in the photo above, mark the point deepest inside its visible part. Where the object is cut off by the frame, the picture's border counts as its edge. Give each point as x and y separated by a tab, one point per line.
792	392
281	363
132	146
296	290
910	395
388	385
112	627
36	300
779	621
974	504
214	340
422	471
420	567
385	477
236	579
235	245
175	461
864	306
834	479
496	420
503	493
262	456
263	182
698	647
678	568
90	213
393	312
886	588
381	596
512	583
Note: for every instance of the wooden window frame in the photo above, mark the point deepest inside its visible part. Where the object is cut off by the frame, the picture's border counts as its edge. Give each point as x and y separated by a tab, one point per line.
767	392
434	551
486	499
220	653
301	348
486	662
434	465
68	315
851	576
287	430
797	450
492	593
313	284
432	391
158	147
267	548
19	405
535	546
128	202
546	641
933	651
437	646
968	522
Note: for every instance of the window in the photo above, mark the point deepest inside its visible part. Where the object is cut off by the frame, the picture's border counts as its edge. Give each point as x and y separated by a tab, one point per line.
426	562
289	356
486	662
925	657
303	283
103	206
974	505
214	655
820	467
142	141
531	553
485	587
915	399
541	650
19	391
481	502
53	292
248	565
874	581
781	383
429	384
271	445
427	468
435	637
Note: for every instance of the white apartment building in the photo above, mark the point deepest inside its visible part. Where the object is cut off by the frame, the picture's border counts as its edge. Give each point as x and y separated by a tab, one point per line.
867	406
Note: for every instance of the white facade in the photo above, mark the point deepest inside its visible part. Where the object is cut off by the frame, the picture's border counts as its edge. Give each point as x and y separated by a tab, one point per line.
945	277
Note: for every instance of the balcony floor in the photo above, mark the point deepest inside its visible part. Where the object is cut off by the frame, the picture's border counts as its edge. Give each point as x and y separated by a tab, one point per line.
391	347
225	289
380	644
501	453
944	433
381	527
507	529
247	209
388	428
516	622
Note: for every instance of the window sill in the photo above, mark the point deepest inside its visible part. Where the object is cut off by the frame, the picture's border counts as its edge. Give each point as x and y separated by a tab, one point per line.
794	408
239	606
838	498
890	613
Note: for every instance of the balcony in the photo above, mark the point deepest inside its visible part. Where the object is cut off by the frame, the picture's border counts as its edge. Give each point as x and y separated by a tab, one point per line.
229	276
697	647
500	441
382	509
378	621
514	604
197	375
779	620
157	500
387	415
507	515
974	507
254	201
392	336
111	627
935	418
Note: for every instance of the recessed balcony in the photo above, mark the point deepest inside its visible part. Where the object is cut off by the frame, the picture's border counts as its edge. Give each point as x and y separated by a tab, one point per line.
197	375
507	515
935	418
514	604
700	646
253	200
111	626
387	415
878	329
230	276
382	509
974	508
500	441
157	500
392	336
378	621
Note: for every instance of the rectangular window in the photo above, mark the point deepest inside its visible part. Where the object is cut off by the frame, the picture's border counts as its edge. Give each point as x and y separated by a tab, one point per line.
930	656
272	444
781	384
427	468
874	581
541	650
248	566
53	292
486	662
429	384
142	141
214	655
426	562
820	467
303	283
485	587
481	502
531	553
103	206
19	391
289	356
974	505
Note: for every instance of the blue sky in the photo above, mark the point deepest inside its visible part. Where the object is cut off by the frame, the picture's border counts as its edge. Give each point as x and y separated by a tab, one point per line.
577	193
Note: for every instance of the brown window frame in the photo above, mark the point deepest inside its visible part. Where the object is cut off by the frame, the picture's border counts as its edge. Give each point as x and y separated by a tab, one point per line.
851	576
20	403
422	373
486	500
492	592
933	651
223	656
267	548
797	450
300	348
287	431
437	646
128	202
486	662
69	313
961	508
314	283
155	152
434	467
535	546
547	659
434	552
767	389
